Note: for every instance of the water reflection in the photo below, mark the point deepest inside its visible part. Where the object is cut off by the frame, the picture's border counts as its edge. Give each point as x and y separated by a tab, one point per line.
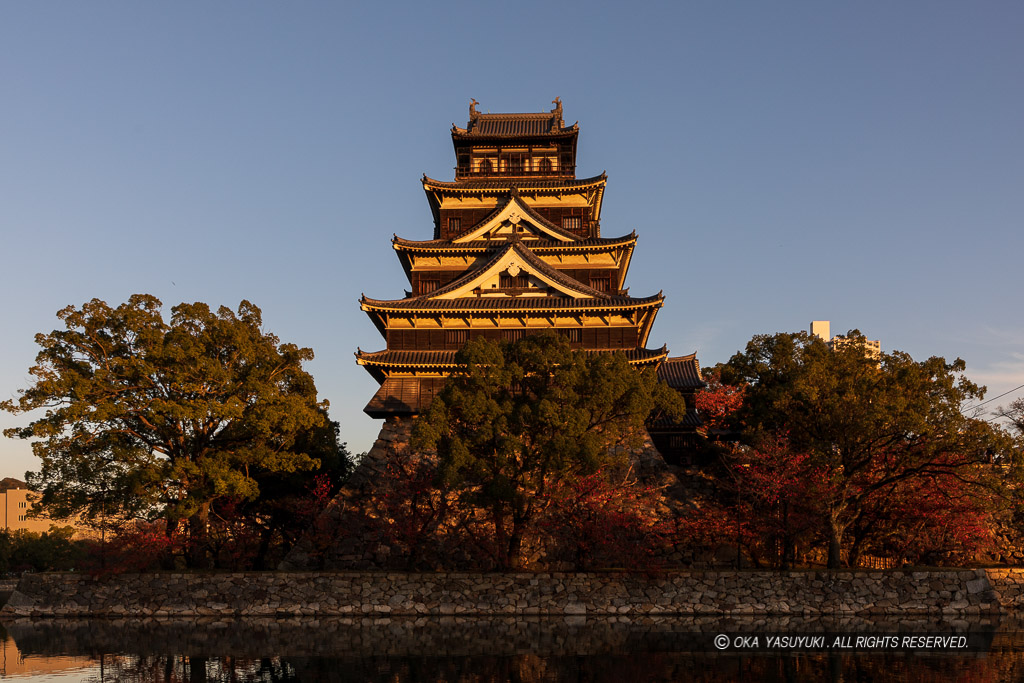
488	649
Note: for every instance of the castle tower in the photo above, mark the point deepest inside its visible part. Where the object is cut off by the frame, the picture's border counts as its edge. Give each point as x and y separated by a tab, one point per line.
516	249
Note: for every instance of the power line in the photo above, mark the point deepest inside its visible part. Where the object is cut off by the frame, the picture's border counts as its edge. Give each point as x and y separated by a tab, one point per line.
978	405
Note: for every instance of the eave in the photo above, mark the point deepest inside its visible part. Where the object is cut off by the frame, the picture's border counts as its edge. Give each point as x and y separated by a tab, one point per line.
625	244
437	189
594	245
506	305
460	136
381	364
499	186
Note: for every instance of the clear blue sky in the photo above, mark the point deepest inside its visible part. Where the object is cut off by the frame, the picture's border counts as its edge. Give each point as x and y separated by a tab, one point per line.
781	162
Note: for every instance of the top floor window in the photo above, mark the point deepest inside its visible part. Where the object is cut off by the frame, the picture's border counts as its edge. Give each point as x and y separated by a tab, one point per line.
485	166
545	165
573	223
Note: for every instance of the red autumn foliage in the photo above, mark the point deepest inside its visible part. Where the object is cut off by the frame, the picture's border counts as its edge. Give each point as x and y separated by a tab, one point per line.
779	501
423	525
718	402
774	501
936	518
599	522
778	492
136	547
409	521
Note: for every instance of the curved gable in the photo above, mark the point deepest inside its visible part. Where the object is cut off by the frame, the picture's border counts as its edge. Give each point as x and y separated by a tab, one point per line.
516	260
515	218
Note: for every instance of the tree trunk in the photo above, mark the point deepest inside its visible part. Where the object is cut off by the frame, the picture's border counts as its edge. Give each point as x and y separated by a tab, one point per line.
855	550
197	552
835	544
501	543
788	547
167	558
515	547
266	535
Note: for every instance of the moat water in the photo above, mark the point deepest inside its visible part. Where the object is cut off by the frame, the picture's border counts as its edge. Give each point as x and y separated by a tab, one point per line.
521	650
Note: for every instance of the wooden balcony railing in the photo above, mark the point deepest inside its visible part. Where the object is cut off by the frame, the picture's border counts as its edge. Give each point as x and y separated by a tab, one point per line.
512	172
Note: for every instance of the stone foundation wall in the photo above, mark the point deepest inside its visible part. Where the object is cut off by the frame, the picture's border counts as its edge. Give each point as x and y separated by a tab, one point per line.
840	593
1008	585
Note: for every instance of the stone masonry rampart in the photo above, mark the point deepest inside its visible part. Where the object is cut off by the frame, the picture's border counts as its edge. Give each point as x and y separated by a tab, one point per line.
379	594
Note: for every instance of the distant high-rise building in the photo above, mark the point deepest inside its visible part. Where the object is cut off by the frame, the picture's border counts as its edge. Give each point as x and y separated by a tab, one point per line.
822	330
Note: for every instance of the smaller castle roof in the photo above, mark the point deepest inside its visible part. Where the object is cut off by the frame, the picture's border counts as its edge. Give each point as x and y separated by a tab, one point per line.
541	246
682	372
530	124
692	418
446	359
524	185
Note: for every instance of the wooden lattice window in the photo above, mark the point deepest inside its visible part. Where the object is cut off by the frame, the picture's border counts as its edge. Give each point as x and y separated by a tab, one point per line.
572	223
454	225
456	337
520	281
602	283
572	335
429	284
545	165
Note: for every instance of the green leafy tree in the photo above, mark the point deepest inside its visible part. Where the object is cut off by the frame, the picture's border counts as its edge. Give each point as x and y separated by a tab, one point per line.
51	550
280	515
1014	414
519	414
872	422
145	418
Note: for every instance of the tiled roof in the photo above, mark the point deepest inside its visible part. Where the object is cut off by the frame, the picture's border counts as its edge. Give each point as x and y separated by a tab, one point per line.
509	125
403	396
519	303
524	185
681	372
443	359
691	419
514	125
534	245
411	395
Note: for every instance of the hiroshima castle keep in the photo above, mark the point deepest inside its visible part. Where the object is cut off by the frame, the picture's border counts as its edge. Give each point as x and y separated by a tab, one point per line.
516	249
